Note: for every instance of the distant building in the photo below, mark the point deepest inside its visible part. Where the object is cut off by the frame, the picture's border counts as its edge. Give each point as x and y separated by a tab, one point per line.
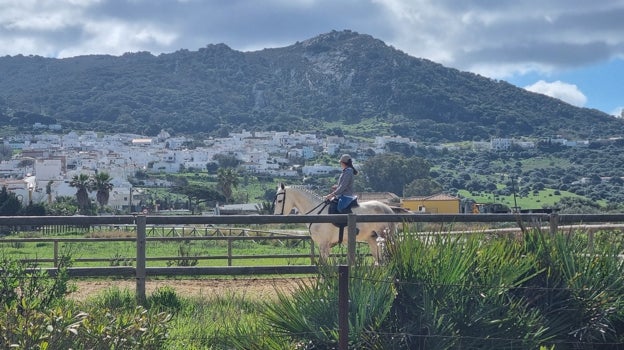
435	204
142	142
318	169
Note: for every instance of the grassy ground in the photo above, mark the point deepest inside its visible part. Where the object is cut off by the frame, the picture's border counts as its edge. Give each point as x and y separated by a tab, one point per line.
544	198
179	253
121	252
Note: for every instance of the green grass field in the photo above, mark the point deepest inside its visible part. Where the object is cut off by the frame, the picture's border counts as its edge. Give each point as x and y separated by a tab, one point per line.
178	253
544	198
213	252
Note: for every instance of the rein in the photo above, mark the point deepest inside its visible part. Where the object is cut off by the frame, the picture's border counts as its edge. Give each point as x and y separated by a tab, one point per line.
319	212
323	202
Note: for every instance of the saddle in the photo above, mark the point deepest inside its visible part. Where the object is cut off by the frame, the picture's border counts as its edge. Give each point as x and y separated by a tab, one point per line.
343	205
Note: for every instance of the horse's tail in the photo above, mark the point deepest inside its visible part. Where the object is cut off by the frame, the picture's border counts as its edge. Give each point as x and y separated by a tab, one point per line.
399	210
392	226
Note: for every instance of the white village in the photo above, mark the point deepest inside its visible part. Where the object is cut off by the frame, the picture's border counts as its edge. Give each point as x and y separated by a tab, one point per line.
44	163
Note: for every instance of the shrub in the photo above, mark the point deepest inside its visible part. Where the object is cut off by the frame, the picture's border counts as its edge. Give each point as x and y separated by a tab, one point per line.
114	299
39	329
25	285
136	329
455	292
186	257
164	299
581	295
310	316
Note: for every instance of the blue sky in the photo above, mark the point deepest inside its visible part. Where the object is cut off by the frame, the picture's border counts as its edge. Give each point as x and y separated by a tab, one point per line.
601	84
568	49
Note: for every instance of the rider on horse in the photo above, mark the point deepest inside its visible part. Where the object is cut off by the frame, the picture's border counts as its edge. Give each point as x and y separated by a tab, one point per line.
342	193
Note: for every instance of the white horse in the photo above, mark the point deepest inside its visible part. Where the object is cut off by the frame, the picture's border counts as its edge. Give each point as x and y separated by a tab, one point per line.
326	235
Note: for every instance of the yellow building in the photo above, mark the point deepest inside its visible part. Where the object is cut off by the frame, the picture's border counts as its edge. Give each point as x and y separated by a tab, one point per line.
435	204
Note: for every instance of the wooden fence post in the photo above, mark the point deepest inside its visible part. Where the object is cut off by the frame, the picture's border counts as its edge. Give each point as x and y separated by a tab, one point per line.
312	253
55	253
343	307
229	250
351	232
140	260
554	223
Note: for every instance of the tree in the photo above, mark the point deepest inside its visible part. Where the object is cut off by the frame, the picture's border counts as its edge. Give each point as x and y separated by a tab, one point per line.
198	194
83	185
227	178
5	152
36	209
25	163
226	160
399	147
422	187
392	171
578	205
9	203
102	184
63	206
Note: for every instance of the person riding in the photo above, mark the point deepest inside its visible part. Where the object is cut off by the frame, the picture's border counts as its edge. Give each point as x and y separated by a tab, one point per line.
344	187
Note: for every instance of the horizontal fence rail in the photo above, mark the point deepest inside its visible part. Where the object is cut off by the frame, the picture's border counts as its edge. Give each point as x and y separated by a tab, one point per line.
290	219
229	257
174	228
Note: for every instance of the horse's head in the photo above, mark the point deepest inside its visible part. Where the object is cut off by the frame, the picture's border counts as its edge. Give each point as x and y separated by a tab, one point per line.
279	202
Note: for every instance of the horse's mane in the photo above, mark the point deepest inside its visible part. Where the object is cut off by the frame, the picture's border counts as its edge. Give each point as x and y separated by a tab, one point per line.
313	196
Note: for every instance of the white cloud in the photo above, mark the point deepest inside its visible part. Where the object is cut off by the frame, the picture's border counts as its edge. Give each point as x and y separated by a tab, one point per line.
117	38
618	112
497	39
502	38
569	93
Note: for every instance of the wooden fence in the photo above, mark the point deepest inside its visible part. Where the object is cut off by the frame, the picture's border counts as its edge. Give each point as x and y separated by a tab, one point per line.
152	230
141	224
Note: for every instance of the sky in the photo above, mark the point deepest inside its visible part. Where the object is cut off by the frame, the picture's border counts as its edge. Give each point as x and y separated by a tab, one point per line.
569	49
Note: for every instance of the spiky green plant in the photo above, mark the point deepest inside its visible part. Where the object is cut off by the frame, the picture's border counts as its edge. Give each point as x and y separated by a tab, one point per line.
580	293
309	315
455	292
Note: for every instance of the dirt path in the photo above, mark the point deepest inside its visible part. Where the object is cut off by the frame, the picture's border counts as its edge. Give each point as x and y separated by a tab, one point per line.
261	288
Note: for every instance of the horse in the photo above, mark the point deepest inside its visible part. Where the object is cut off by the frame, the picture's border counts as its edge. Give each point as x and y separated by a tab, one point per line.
327	235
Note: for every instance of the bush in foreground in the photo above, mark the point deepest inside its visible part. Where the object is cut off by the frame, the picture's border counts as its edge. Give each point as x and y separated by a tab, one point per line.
36	315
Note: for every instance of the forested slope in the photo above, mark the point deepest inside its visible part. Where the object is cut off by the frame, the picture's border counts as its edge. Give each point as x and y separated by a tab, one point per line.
339	78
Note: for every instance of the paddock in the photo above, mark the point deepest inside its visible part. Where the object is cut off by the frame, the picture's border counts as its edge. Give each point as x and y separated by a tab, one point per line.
140	225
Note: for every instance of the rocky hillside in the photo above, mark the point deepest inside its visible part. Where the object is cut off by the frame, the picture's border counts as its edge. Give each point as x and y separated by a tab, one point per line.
339	81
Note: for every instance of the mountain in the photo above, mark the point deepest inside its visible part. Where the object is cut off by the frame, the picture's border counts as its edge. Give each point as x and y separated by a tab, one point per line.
338	81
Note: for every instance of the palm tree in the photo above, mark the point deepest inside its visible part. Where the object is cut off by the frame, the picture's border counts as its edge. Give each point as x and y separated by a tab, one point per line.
102	184
83	185
227	178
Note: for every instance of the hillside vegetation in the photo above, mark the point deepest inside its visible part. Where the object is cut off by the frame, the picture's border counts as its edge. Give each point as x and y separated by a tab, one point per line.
333	82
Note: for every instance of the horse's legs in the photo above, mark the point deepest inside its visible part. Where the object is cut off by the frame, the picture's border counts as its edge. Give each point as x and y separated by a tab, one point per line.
324	250
374	249
377	244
